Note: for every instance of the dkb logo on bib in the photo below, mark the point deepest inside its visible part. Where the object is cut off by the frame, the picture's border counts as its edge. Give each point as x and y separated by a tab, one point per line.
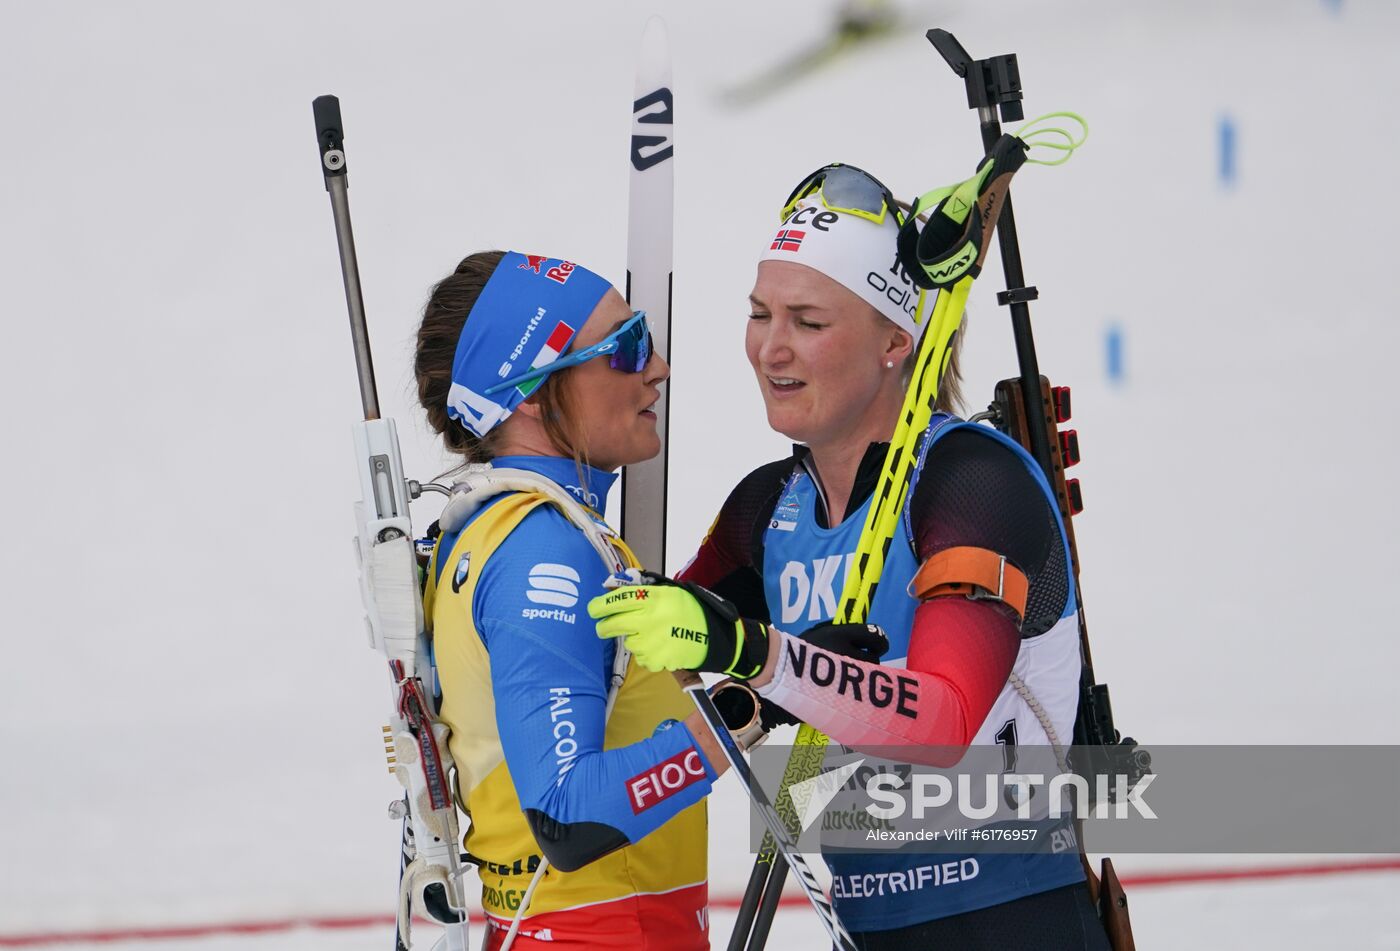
809	590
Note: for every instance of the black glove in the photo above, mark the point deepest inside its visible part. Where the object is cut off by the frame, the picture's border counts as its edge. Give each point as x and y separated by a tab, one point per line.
866	642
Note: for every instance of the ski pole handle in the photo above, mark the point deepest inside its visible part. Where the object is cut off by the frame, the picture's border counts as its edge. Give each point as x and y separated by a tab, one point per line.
687	679
787	844
330	147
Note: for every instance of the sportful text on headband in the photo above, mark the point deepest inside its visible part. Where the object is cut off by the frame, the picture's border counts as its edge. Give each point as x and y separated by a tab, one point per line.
525	317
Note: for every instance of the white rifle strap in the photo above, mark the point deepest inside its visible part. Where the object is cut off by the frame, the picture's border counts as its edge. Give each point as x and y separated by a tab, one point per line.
479	484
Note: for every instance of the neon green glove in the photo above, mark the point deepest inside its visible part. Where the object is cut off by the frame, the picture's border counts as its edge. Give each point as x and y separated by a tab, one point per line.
676	625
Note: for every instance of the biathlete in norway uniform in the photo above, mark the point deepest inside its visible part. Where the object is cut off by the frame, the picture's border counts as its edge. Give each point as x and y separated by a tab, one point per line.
772	553
975	596
583	789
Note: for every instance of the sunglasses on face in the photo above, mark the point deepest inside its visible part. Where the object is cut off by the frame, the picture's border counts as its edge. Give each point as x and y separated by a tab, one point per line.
628	349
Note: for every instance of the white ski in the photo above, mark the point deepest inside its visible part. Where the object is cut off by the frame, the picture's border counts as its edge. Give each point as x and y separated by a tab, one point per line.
649	256
649	245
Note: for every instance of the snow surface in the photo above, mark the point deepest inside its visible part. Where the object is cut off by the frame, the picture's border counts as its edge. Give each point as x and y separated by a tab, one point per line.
1290	916
190	710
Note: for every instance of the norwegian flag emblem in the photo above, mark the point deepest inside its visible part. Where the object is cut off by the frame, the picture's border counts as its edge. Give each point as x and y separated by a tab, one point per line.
787	240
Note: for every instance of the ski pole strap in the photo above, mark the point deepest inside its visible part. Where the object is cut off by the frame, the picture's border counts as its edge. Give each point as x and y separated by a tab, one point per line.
954	241
961	218
978	573
1035	137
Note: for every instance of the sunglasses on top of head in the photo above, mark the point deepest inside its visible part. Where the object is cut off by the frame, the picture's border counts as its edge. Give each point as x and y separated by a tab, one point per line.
848	189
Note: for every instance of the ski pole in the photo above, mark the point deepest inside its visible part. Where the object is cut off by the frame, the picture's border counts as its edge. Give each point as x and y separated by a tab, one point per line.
785	843
759	877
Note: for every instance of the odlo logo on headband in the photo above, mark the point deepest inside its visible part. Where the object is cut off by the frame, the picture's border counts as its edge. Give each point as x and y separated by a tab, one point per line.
903	294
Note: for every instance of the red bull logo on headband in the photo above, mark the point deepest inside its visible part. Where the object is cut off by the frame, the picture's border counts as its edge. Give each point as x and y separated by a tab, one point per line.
561	272
504	330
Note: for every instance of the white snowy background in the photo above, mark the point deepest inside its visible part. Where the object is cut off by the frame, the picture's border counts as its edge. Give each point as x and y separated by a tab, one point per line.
188	709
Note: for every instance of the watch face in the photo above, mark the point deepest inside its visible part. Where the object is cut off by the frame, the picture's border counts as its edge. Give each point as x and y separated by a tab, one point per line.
737	705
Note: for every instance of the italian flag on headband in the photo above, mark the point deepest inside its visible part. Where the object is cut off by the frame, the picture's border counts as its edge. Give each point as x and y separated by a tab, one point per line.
553	347
527	297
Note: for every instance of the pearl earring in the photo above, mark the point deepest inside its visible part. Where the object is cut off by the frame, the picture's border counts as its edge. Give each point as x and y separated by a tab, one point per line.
889	364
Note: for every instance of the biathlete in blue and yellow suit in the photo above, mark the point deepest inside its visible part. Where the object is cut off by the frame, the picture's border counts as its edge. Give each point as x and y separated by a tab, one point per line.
602	791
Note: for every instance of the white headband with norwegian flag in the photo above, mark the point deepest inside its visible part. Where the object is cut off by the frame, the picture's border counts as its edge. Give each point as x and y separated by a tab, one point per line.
858	254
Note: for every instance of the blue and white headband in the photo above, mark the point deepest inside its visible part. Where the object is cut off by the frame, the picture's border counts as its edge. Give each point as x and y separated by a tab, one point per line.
526	316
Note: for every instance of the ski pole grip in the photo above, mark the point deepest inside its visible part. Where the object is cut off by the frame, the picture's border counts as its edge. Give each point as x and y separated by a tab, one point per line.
688	679
330	137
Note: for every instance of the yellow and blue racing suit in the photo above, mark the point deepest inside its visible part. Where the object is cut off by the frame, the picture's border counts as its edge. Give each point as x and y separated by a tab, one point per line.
616	807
